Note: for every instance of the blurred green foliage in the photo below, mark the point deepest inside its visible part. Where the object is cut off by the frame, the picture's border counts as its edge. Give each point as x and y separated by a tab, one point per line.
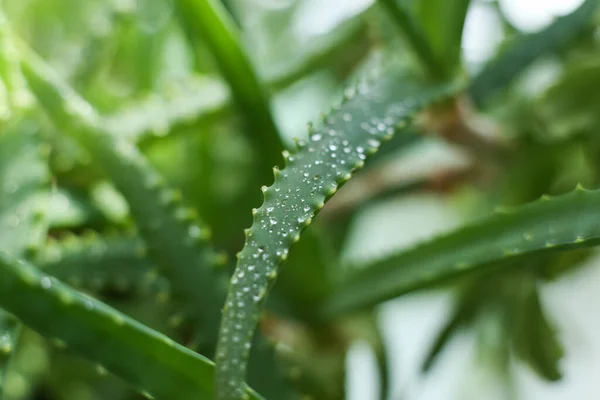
135	136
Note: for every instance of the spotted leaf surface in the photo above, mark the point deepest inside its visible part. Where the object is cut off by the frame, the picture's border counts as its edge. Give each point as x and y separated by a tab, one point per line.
549	224
369	115
153	363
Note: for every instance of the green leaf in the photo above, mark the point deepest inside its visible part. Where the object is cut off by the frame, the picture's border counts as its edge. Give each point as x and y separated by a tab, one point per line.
23	195
464	311
71	209
174	237
535	338
549	224
9	333
148	360
526	49
571	102
209	20
443	22
176	240
11	78
415	36
95	262
369	114
159	114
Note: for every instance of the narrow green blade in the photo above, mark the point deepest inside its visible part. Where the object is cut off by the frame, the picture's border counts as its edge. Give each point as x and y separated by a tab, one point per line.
23	197
370	114
526	49
151	362
550	224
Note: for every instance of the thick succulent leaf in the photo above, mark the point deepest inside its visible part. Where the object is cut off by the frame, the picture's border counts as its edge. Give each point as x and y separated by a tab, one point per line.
415	36
151	362
338	50
13	83
24	185
535	338
462	315
95	262
443	22
23	196
526	49
549	224
160	114
370	114
176	240
72	209
209	20
571	103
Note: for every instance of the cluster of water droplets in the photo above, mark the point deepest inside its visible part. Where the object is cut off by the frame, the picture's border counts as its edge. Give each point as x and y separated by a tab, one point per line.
352	131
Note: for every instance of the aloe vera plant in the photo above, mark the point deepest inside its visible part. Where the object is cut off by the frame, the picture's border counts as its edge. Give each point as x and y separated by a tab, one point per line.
137	128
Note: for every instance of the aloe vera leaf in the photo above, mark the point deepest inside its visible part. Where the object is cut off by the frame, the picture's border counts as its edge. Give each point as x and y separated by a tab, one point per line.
24	185
371	113
94	262
15	86
209	20
443	22
159	114
71	209
23	195
176	240
549	224
414	35
338	51
526	49
535	338
463	314
151	362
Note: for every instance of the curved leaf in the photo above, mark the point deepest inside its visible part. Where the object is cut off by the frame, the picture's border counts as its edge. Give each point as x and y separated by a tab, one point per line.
526	49
550	224
23	195
209	20
157	115
150	361
535	338
176	240
414	36
443	22
94	261
369	115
